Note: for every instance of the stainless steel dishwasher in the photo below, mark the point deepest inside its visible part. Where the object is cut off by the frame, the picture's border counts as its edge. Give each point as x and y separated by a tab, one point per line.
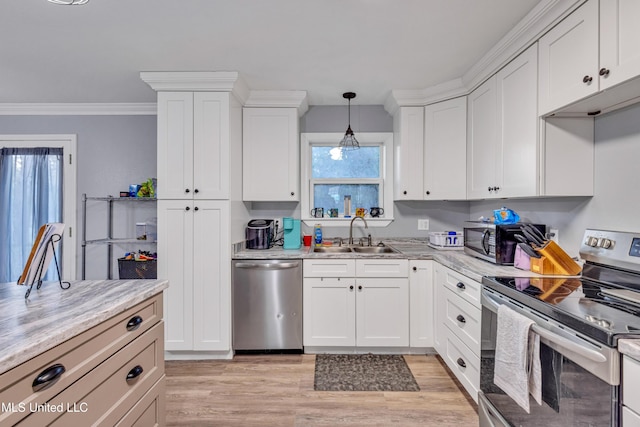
267	304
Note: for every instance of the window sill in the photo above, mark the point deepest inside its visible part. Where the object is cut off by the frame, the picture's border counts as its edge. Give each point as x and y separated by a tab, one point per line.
346	222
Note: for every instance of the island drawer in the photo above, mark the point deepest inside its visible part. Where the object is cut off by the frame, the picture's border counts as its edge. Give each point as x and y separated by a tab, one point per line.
78	355
149	411
105	394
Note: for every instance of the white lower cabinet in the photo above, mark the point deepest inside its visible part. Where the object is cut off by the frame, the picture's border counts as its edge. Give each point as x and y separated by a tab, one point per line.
457	325
193	253
421	303
350	302
630	392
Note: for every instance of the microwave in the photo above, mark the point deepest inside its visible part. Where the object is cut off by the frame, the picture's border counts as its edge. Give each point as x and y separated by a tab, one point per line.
492	242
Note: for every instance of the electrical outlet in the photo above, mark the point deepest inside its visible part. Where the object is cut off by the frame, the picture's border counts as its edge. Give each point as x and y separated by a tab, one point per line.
423	224
553	232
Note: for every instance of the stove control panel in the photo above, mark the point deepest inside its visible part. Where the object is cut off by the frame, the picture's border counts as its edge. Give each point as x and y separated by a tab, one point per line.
599	242
616	248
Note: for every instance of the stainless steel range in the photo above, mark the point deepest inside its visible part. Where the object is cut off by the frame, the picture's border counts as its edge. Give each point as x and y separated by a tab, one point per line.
580	321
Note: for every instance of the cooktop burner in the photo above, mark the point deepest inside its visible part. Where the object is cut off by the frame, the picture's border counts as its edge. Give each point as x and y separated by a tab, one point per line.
604	303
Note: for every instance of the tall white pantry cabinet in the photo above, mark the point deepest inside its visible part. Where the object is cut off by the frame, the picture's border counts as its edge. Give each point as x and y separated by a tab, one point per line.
197	130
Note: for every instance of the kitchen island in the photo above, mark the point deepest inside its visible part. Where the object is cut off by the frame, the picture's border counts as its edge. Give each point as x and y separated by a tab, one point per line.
89	354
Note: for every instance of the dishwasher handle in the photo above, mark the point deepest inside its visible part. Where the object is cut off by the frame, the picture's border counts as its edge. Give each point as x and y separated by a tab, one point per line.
268	265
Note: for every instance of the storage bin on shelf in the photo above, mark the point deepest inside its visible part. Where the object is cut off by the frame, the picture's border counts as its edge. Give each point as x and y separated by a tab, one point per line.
132	269
446	239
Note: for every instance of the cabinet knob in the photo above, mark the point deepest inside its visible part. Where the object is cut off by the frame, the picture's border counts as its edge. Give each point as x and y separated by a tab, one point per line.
604	72
351	287
196	209
48	377
461	285
415	268
428	192
461	362
490	189
293	194
496	188
587	79
360	287
187	208
196	191
186	190
134	373
134	323
460	318
404	192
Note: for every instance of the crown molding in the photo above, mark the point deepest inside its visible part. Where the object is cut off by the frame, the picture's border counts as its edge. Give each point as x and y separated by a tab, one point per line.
214	81
78	109
538	21
421	97
279	98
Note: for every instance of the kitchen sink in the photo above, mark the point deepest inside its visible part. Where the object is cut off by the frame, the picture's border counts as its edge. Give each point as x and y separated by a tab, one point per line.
373	249
332	249
380	249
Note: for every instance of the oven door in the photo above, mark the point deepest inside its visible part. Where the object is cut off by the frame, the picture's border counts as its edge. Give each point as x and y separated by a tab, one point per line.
580	378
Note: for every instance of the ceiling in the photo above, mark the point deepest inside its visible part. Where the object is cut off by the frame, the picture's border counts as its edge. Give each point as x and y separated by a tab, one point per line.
94	53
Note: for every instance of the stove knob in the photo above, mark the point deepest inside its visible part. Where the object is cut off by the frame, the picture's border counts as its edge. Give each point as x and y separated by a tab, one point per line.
606	243
592	241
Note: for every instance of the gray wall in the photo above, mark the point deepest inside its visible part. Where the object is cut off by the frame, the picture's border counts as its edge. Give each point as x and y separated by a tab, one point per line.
112	152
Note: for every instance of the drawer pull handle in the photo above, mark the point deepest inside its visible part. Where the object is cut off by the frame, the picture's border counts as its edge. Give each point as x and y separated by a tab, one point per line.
461	362
134	373
134	323
461	285
461	319
48	377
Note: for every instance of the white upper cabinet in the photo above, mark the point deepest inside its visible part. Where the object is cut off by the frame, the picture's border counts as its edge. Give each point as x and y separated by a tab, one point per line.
597	47
270	154
193	145
481	140
430	145
619	41
569	59
517	153
502	144
445	146
408	139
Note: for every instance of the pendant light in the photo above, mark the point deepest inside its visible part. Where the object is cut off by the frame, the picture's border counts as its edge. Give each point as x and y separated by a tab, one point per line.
69	2
349	142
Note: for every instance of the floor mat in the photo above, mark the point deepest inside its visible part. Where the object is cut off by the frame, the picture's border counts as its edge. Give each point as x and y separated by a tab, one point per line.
363	372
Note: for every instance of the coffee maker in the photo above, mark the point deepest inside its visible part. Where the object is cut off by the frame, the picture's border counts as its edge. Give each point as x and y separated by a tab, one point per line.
291	233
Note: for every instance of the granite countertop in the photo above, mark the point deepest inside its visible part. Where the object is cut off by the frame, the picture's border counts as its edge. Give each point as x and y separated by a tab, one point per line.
630	347
408	248
52	315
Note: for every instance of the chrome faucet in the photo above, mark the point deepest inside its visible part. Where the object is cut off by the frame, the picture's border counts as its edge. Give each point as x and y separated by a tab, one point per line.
351	228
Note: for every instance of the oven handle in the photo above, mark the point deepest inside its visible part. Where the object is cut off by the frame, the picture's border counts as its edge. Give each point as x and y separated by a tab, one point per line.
586	352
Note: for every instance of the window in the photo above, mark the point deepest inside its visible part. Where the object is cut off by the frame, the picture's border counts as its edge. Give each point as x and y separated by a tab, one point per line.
329	174
25	205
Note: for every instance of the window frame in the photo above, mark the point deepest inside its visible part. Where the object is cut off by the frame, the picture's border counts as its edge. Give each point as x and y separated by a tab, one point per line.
384	139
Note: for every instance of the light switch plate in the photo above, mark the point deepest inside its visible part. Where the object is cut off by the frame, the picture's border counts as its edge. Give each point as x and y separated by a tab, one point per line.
423	224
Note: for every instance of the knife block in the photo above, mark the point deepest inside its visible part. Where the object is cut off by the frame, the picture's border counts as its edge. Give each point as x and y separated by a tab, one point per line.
555	261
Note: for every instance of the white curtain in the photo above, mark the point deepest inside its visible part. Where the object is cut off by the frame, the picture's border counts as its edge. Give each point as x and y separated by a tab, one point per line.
30	196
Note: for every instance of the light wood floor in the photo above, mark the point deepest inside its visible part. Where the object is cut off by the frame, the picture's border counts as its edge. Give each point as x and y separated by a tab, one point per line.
277	390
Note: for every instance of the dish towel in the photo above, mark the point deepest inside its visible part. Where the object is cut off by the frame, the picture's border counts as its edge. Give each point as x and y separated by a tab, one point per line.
517	364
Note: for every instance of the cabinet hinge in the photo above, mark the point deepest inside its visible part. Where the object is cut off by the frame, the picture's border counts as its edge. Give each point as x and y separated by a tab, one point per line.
70	232
70	159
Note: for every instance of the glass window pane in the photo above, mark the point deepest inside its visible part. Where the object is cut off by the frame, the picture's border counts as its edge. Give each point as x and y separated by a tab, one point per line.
330	196
332	162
